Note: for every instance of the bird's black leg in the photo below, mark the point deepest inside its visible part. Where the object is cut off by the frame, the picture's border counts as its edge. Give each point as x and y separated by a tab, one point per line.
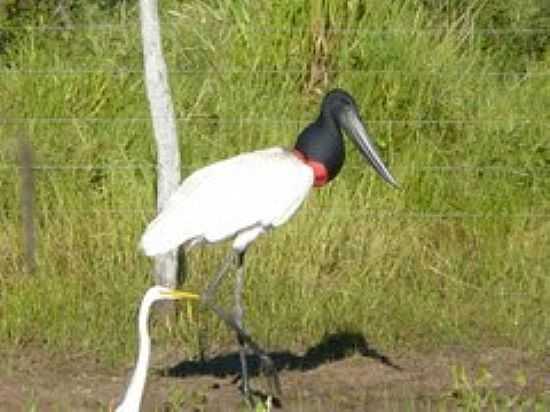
238	313
208	295
268	367
234	321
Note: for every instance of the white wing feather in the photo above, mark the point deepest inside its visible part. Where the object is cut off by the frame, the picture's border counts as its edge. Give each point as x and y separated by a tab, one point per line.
257	189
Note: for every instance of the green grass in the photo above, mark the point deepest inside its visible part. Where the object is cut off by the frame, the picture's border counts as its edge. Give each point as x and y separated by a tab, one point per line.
458	257
474	393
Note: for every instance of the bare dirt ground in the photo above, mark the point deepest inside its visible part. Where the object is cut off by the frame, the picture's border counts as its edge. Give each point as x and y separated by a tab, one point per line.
328	377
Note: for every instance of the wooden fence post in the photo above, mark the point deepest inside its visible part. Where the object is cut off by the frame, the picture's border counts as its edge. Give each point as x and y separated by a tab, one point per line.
164	127
27	203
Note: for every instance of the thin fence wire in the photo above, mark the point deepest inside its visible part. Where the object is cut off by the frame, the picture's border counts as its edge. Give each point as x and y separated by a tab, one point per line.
261	120
259	70
267	29
151	166
365	213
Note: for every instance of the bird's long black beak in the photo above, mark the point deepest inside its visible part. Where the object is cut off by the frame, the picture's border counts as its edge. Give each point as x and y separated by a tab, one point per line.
351	122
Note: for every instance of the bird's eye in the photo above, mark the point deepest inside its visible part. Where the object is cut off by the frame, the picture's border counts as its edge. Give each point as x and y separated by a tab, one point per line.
346	102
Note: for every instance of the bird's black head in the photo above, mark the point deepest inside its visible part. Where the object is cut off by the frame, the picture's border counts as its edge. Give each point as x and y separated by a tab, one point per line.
336	101
321	142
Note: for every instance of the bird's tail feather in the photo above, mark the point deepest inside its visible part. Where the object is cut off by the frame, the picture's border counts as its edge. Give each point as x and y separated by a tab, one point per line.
161	237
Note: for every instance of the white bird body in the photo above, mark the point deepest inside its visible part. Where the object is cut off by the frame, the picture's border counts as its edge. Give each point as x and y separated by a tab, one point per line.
239	197
133	396
134	393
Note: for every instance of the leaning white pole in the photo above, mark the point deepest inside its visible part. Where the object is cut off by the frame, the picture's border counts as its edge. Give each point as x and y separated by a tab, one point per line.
164	127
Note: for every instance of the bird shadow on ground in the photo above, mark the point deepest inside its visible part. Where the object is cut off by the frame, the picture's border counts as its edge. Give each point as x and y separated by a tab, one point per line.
331	348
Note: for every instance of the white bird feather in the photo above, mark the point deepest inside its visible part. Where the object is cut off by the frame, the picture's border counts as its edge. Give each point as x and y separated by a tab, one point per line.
240	197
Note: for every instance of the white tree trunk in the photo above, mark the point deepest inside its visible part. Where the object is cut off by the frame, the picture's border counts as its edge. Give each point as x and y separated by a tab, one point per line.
164	127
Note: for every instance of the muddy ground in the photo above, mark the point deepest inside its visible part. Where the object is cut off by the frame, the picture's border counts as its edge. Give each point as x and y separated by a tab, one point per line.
328	377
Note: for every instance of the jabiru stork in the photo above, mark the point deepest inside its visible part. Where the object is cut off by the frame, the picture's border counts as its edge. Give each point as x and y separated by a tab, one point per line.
244	196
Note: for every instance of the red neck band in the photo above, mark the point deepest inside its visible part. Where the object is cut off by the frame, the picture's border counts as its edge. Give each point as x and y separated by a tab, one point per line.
319	170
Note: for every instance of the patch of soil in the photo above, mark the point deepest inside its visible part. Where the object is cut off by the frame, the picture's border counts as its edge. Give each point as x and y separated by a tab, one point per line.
322	379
